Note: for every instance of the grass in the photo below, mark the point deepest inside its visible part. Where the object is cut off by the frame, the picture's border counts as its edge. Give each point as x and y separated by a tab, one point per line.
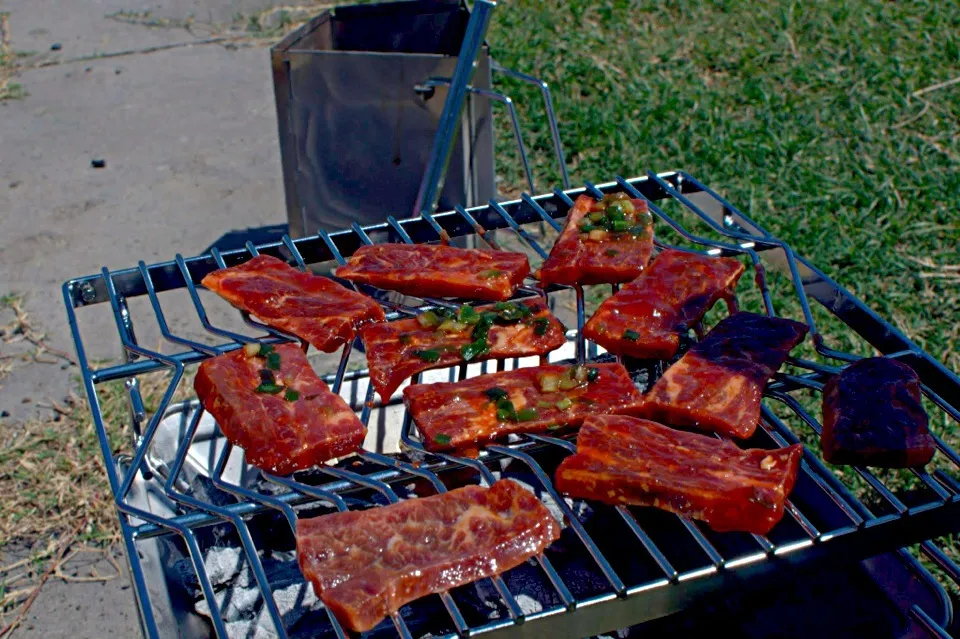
801	114
835	125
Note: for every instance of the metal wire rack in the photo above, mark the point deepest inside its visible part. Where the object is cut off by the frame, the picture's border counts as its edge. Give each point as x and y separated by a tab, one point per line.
185	491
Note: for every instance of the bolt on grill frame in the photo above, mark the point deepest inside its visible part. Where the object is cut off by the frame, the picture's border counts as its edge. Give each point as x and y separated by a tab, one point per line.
831	521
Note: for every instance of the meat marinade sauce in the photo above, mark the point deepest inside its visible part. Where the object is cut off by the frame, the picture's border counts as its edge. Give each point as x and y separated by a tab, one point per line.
644	319
270	402
603	242
873	416
312	307
717	384
438	339
463	415
628	461
367	564
437	270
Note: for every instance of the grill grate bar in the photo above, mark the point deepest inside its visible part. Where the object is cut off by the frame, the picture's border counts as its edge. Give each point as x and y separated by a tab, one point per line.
298	489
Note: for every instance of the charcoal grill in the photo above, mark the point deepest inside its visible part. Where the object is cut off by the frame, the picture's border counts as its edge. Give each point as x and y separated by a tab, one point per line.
206	533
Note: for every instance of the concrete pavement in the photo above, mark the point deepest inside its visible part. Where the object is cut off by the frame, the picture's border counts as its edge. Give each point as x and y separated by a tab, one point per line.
190	143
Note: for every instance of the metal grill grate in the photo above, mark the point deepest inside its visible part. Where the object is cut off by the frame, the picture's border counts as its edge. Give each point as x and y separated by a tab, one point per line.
184	491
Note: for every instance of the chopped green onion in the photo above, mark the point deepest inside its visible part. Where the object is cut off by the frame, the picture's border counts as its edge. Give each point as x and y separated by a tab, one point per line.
273	361
545	404
442	438
527	414
506	410
615	212
593	374
555	426
565	403
491	274
468	315
265	349
611	252
586	228
618	226
428	319
291	395
451	326
272	389
496	394
541	325
596	216
429	355
639	229
631	335
568	383
474	349
550	383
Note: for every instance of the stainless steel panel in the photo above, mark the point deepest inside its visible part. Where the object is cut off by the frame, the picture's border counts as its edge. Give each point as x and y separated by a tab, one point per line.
355	136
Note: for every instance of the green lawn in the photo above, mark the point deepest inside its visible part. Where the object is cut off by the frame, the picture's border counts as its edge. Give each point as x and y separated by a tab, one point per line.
823	121
801	114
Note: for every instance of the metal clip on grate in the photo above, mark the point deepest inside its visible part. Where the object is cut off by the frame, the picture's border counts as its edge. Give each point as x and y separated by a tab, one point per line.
613	567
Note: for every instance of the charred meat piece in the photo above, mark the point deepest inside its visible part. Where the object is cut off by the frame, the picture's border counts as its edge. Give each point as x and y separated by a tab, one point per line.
718	383
269	402
463	415
645	318
312	307
367	564
623	460
438	339
437	270
605	242
872	416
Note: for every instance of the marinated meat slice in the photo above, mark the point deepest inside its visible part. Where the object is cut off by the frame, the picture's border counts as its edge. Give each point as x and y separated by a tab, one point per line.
271	403
717	384
463	415
623	460
437	270
873	416
438	339
367	564
312	307
646	317
605	242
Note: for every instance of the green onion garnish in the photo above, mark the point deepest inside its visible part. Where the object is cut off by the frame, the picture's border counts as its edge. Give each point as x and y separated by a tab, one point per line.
496	394
271	389
468	315
541	325
429	355
428	319
291	395
618	226
631	335
593	374
527	414
273	361
491	274
555	426
586	228
474	349
442	438
265	349
639	229
565	403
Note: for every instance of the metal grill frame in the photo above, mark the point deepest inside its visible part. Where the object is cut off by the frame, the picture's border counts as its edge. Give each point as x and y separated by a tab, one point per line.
864	534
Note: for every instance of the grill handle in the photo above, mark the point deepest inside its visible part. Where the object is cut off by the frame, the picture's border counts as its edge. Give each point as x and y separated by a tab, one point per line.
436	170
